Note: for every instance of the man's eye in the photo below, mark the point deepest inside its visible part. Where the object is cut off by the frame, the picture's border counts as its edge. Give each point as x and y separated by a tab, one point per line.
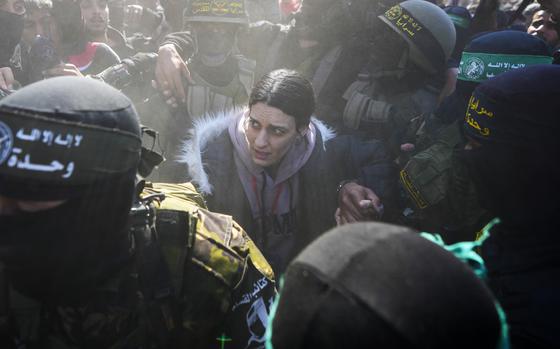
279	131
537	24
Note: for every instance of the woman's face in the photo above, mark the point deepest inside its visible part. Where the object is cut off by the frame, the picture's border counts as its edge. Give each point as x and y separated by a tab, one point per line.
270	134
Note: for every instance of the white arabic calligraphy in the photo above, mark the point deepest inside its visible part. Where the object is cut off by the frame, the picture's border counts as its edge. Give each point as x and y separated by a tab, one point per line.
32	137
26	164
47	137
247	297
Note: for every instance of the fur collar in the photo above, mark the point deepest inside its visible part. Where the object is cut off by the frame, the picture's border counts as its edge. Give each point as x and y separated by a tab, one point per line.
206	129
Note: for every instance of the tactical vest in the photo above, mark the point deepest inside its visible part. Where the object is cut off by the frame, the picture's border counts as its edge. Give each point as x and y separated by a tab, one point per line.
196	281
439	191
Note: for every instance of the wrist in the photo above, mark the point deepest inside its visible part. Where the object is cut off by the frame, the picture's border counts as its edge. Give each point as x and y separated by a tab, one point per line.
343	183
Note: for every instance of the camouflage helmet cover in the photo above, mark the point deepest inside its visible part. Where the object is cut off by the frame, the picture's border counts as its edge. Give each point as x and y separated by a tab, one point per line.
223	11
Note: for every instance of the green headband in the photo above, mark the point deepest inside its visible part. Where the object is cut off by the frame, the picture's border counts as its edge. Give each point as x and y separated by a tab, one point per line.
459	21
478	67
57	151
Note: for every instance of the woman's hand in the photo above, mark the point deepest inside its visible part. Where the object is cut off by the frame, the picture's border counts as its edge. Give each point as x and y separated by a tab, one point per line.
357	203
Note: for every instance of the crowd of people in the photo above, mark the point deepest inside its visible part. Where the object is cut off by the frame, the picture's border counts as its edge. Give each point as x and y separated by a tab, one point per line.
279	174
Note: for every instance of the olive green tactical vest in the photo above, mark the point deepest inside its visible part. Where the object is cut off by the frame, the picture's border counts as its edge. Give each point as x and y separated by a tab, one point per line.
437	184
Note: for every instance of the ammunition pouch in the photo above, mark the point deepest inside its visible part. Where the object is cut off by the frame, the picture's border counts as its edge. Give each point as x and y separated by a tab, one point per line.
427	175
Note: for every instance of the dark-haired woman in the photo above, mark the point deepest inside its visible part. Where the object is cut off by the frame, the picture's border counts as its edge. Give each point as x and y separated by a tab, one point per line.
276	169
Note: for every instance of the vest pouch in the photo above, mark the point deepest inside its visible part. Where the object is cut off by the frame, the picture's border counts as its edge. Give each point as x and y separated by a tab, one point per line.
426	176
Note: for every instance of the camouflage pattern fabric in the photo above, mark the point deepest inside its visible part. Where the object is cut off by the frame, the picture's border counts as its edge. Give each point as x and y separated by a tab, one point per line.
437	184
224	288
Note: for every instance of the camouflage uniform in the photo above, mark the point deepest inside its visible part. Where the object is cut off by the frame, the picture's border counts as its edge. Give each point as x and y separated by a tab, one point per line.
212	286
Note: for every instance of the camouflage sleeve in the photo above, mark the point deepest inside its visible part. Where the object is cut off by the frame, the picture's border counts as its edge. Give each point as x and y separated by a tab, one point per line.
225	285
229	286
251	300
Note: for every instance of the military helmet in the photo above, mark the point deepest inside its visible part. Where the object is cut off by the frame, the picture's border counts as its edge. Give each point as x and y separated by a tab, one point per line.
427	30
361	285
221	11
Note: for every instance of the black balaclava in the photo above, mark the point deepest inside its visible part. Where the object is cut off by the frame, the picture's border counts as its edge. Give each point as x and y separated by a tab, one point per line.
372	285
508	43
211	43
70	139
11	27
213	48
514	118
388	47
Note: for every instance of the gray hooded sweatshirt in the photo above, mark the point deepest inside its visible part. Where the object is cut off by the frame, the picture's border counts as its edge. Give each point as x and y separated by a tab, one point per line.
273	201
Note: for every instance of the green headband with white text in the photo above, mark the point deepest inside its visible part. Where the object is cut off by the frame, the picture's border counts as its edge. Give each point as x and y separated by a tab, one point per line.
477	67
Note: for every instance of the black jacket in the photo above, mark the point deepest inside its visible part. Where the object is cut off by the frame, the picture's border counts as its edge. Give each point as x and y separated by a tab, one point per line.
331	161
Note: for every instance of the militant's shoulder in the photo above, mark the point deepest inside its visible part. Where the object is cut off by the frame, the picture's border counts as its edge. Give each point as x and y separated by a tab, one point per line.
213	242
178	197
221	241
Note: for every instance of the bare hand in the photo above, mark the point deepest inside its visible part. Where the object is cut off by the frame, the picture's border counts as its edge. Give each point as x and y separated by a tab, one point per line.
357	203
63	70
6	78
170	71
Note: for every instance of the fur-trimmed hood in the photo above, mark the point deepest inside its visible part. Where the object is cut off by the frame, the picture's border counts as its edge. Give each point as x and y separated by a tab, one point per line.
208	129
